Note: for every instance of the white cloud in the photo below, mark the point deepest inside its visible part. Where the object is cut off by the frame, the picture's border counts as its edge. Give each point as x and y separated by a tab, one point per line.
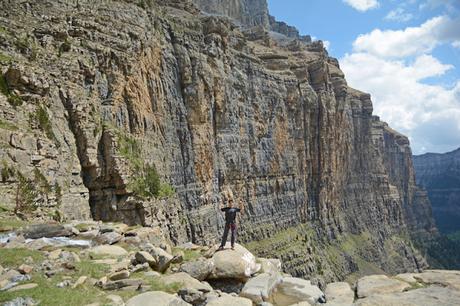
456	44
410	41
428	114
362	5
327	44
399	14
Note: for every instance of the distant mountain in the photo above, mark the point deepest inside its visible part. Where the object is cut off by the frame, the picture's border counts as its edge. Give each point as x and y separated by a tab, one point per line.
439	174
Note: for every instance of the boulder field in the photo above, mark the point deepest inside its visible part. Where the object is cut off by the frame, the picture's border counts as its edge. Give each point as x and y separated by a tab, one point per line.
65	265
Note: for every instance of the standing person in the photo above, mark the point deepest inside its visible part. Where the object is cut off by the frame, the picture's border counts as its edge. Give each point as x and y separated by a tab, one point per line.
230	220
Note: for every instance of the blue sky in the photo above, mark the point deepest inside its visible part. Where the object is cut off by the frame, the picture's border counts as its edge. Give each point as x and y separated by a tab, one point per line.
405	53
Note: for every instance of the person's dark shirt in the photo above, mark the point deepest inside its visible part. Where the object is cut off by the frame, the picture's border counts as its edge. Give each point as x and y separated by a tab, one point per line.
230	214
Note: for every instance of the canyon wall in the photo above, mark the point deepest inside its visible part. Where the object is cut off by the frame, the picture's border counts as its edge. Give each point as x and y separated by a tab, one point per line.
439	174
100	98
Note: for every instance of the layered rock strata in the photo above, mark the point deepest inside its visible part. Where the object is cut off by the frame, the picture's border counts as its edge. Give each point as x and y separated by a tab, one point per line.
128	90
439	174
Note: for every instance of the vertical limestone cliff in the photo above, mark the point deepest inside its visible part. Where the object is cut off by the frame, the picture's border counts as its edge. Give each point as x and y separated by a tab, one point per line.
131	90
439	174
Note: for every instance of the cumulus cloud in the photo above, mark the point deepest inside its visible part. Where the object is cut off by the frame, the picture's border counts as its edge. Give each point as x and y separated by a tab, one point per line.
410	41
428	114
362	5
399	14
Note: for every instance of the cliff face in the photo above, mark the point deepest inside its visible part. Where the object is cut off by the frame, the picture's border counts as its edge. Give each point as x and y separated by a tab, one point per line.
439	174
110	90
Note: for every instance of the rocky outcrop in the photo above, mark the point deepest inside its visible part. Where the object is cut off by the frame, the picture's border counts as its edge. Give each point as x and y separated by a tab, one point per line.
439	174
78	276
148	123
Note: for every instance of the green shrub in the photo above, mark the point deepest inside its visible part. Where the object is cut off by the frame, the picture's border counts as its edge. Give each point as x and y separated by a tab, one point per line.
5	59
4	89
25	195
27	45
8	126
66	46
147	182
14	100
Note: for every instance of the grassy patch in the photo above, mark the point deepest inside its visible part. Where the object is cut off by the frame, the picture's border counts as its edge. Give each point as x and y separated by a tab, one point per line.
27	46
12	98
92	269
48	294
190	255
12	222
454	236
8	126
15	257
5	59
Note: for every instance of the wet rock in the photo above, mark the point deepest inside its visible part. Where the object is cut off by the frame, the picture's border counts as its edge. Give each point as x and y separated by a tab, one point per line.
46	230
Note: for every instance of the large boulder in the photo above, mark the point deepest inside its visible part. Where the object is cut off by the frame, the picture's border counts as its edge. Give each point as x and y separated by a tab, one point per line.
186	282
199	269
145	257
238	264
292	290
339	294
46	230
431	296
260	288
449	279
156	298
379	284
228	300
108	238
269	265
108	250
162	259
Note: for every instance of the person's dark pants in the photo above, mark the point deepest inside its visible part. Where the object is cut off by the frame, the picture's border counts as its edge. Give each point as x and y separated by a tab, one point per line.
231	226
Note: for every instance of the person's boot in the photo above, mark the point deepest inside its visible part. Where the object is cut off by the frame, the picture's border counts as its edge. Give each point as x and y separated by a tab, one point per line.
233	247
221	248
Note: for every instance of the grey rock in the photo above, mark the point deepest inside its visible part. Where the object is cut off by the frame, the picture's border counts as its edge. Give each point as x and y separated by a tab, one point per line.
155	298
199	269
21	301
108	238
379	284
46	230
